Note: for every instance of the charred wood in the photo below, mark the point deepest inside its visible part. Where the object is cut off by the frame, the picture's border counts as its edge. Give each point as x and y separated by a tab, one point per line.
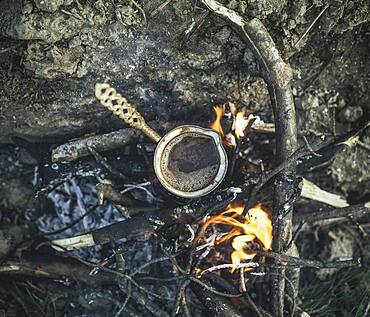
356	211
142	227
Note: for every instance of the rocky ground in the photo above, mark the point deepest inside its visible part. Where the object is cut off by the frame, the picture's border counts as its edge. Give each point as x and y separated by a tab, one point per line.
174	60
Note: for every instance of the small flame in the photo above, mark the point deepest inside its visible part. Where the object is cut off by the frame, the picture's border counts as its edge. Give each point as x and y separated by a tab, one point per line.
217	126
240	123
256	225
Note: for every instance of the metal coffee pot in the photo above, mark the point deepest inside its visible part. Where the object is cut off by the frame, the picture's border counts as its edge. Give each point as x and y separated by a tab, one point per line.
189	161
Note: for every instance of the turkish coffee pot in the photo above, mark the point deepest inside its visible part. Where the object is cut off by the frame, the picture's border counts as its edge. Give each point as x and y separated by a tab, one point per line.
189	161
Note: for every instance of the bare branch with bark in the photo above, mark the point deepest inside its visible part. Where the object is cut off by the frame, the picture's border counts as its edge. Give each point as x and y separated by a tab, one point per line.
277	75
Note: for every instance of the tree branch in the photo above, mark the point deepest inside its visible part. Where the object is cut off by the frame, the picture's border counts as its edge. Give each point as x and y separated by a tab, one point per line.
277	75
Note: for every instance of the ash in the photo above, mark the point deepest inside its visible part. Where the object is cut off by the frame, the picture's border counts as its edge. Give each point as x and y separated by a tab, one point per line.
72	199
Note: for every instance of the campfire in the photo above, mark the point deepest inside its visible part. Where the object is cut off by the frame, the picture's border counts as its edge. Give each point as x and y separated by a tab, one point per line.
168	215
242	231
227	230
239	125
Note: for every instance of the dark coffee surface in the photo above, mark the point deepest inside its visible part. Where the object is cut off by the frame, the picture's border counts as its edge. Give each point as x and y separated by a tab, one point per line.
190	162
192	154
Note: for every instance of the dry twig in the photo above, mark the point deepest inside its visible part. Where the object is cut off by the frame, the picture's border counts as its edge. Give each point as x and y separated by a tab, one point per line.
313	192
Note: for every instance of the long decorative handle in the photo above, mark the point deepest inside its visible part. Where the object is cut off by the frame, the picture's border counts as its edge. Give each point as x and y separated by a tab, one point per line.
119	105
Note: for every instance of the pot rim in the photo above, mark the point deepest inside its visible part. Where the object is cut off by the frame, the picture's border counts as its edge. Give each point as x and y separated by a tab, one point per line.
183	129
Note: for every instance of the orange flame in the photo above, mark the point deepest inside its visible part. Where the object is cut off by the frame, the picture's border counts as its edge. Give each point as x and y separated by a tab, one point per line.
239	125
217	126
256	225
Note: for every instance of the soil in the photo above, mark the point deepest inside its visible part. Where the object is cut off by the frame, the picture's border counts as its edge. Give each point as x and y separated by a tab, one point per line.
53	52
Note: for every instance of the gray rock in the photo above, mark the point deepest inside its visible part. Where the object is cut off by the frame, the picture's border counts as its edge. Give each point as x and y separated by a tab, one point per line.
51	5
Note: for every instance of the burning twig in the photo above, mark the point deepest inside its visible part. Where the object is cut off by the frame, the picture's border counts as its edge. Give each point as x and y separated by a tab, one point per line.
247	265
277	75
255	226
216	125
240	124
286	261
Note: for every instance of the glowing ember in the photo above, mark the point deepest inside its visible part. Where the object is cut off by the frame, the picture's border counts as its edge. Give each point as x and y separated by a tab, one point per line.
256	225
240	123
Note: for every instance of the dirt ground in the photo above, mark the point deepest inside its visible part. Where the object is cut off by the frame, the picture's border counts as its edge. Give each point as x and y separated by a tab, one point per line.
174	62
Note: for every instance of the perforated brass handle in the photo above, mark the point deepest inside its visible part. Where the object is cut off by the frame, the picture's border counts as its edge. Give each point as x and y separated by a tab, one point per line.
119	105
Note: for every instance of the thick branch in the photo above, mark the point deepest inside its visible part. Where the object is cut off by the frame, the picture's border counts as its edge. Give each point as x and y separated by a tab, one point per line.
142	227
277	75
76	149
49	266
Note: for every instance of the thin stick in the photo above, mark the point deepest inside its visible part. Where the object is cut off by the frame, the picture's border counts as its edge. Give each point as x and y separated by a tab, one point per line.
312	191
184	306
103	161
160	8
355	211
140	9
264	128
231	266
311	25
128	296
